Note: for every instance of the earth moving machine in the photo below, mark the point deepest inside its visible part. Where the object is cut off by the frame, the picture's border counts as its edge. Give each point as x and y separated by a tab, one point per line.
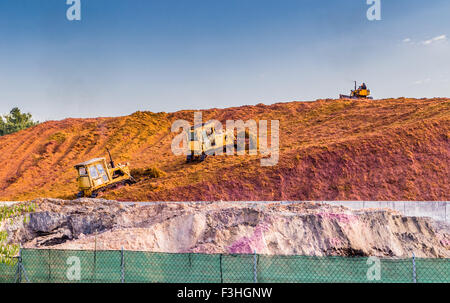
358	93
204	140
97	175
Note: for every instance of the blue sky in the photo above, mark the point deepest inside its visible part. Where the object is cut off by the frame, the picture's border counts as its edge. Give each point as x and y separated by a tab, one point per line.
168	55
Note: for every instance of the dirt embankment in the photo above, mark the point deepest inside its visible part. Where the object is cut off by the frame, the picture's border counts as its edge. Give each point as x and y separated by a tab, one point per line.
393	149
298	229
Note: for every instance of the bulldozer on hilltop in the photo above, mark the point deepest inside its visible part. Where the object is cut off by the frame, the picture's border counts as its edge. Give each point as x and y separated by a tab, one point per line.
358	93
97	175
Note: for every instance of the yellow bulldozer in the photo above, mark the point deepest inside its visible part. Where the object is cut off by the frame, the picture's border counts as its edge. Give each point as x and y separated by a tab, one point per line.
97	175
204	140
358	93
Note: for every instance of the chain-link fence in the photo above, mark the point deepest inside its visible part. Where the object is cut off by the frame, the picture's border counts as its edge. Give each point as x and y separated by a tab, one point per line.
50	266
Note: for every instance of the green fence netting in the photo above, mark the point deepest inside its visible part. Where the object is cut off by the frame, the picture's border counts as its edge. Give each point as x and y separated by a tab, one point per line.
51	266
7	273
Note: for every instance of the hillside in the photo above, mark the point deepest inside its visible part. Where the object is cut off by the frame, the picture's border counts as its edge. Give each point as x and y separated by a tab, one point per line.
393	149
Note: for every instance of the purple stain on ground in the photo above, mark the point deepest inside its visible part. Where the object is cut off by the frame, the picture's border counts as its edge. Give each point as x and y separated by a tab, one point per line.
445	242
247	245
342	218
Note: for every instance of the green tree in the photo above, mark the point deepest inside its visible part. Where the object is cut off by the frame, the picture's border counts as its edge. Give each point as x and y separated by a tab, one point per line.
9	251
15	121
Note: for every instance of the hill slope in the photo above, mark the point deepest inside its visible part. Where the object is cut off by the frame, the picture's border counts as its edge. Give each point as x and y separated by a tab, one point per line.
394	149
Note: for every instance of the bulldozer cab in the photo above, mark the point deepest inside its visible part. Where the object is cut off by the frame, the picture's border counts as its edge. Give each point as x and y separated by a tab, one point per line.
361	93
92	173
204	139
200	135
97	175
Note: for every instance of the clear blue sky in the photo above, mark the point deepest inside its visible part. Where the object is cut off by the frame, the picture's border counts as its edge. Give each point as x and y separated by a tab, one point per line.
168	55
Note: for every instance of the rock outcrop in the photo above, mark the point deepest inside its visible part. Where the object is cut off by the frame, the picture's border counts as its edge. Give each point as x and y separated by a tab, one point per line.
292	229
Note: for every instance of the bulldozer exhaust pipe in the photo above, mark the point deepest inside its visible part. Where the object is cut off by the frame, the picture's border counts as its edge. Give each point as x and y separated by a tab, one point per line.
110	159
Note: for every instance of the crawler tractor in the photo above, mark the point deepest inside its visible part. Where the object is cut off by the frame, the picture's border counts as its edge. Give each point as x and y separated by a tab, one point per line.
97	175
204	140
358	93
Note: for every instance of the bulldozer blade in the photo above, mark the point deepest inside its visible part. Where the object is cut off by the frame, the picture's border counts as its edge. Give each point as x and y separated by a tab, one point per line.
354	97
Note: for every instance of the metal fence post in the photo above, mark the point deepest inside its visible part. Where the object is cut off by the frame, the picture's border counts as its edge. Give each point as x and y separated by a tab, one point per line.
255	274
221	270
122	267
20	269
414	268
49	267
